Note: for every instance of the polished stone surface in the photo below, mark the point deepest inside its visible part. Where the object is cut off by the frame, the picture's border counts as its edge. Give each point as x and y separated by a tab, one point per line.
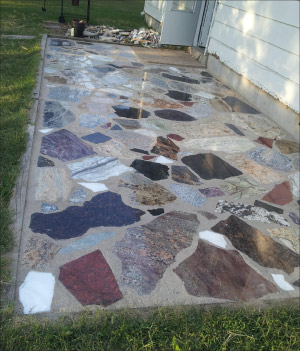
65	146
131	139
260	248
268	142
92	120
148	157
105	209
78	196
271	159
156	212
182	174
130	112
44	162
238	105
216	272
251	212
116	128
67	94
96	138
129	124
56	115
211	192
180	78
168	114
188	194
165	147
141	151
209	166
280	194
148	250
234	129
177	95
268	207
154	171
242	186
288	236
175	136
91	280
287	147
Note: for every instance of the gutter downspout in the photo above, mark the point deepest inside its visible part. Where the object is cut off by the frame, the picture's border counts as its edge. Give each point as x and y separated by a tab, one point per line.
210	26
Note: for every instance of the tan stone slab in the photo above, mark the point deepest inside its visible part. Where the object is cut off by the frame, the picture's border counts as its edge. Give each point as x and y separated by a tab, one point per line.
286	235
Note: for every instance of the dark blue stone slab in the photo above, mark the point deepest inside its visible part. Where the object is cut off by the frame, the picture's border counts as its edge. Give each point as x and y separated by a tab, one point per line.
238	105
96	138
268	207
44	162
154	171
137	150
116	128
131	113
181	96
105	209
173	115
234	129
156	212
181	78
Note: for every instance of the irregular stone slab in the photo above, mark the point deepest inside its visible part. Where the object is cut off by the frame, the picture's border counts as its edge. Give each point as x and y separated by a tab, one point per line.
56	115
78	196
39	252
65	146
147	251
188	194
165	147
131	139
214	238
130	112
280	194
159	82
296	163
86	242
96	138
72	95
260	173
228	144
282	283
287	147
177	95
182	174
156	212
136	150
181	78
234	129
211	192
200	110
158	103
268	207
46	130
168	114
48	208
295	181
97	168
219	105
250	212
268	142
286	235
270	158
209	166
262	249
105	209
145	191
239	106
91	280
242	186
295	218
52	185
207	215
129	124
91	121
216	272
154	171
148	157
44	162
36	292
94	187
176	137
116	128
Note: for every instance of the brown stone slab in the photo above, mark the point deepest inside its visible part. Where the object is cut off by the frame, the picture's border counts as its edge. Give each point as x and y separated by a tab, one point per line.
165	147
280	194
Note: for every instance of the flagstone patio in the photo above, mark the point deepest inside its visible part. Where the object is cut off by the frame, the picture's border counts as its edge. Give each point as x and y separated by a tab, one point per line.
153	185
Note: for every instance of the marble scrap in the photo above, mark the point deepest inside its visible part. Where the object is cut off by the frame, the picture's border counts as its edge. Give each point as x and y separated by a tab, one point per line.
207	215
177	95
163	160
116	128
86	242
188	194
137	150
219	273
258	172
239	106
129	124
56	115
131	139
280	194
96	138
260	248
90	280
94	186
282	283
176	137
251	212
268	142
234	129
97	168
145	191
91	121
287	147
214	238
65	146
228	144
180	78
48	208
147	251
295	218
67	94
242	186
174	115
46	130
39	252
152	170
78	196
156	212
36	292
268	207
209	166
295	181
44	162
165	147
105	209
288	235
271	159
130	112
211	192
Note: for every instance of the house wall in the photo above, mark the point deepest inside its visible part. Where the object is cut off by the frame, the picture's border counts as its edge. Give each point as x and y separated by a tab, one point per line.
155	9
260	41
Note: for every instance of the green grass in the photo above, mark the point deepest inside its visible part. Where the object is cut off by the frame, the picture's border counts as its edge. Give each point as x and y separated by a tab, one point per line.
165	329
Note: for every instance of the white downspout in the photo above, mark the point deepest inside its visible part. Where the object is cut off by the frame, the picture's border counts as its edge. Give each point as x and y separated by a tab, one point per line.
210	26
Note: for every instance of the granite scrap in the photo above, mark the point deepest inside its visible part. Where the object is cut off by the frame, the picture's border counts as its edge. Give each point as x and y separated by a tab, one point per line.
154	171
44	162
207	215
92	120
287	147
131	139
271	159
48	208
156	212
68	94
174	115
182	174
78	196
57	115
295	181
165	147
295	218
242	186
137	150
239	106
129	124
268	207
286	235
188	194
234	129
280	194
211	192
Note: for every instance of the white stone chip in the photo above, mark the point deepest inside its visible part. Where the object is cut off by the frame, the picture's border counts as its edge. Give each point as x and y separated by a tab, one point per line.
280	281
214	238
46	130
95	187
163	160
36	292
204	95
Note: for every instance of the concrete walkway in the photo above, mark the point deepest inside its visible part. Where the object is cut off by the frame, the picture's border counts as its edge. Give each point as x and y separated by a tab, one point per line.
153	185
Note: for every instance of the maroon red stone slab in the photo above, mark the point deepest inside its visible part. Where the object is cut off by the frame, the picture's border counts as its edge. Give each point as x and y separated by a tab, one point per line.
176	137
268	142
90	280
280	194
148	157
218	273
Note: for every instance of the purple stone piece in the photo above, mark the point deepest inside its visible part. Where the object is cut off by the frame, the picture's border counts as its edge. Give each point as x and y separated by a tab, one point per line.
295	218
211	192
